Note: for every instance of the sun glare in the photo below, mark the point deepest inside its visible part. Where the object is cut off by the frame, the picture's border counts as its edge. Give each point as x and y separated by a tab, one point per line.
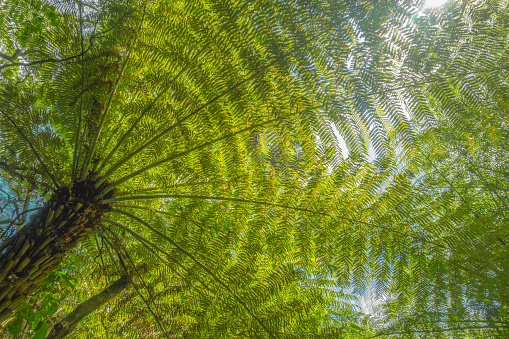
434	3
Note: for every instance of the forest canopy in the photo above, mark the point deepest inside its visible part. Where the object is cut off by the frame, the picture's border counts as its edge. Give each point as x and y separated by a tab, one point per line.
254	169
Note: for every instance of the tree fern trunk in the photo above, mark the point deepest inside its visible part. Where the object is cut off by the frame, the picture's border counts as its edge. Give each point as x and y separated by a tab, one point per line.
70	215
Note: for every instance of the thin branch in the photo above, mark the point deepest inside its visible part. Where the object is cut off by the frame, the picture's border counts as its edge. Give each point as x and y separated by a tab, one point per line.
13	171
24	79
197	262
171	215
13	221
88	5
33	149
148	189
90	41
143	243
25	207
178	155
202	197
43	61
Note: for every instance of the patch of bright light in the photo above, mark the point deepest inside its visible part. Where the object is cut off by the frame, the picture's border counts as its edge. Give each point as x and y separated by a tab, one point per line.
434	3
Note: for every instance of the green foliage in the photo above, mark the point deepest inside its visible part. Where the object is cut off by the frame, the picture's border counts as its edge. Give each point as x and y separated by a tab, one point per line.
220	126
31	321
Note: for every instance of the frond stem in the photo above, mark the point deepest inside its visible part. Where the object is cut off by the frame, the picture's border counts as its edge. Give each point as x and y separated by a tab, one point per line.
143	113
197	262
151	297
178	155
75	158
91	153
85	167
202	197
149	209
180	122
148	243
257	202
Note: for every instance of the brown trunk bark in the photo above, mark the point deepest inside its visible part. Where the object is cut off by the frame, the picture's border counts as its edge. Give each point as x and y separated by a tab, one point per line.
70	215
66	326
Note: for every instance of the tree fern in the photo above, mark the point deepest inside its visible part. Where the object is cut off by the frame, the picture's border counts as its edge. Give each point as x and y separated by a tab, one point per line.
194	146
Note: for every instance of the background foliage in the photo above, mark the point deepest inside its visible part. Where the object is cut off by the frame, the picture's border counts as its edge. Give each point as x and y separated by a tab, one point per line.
273	162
